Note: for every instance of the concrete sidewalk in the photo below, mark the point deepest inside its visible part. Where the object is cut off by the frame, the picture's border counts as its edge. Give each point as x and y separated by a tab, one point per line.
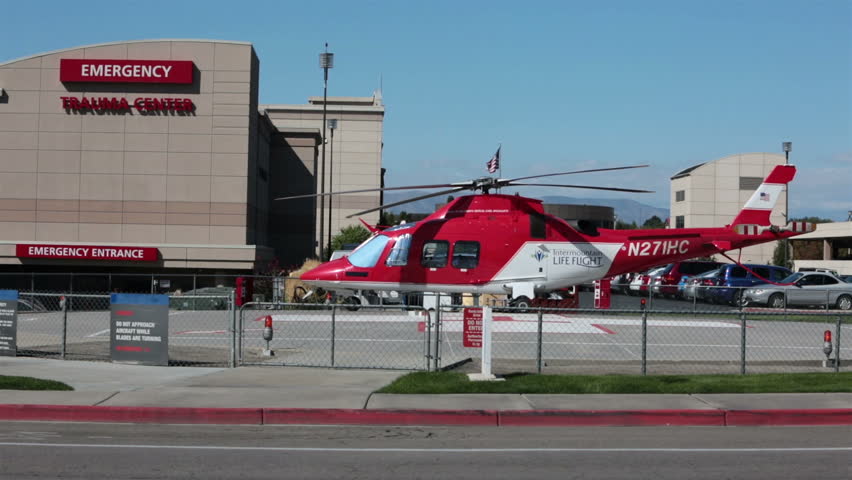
118	392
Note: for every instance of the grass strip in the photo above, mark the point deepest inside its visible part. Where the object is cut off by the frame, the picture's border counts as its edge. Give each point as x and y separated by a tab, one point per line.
29	383
454	382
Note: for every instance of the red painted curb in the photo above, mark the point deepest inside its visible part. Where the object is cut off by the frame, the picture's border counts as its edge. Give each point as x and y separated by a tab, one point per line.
327	416
826	416
285	416
611	417
87	413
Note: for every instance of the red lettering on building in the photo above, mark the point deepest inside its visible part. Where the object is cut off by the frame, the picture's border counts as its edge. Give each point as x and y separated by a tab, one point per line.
141	104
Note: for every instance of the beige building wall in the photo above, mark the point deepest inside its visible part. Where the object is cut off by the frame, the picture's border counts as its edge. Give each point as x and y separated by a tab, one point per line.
164	179
712	196
357	151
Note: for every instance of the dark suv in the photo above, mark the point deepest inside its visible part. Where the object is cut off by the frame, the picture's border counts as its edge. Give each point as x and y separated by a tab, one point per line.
667	283
733	279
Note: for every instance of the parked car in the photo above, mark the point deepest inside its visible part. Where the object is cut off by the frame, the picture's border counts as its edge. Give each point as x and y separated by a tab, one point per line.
846	278
733	279
207	298
804	289
30	305
666	284
621	283
642	282
696	287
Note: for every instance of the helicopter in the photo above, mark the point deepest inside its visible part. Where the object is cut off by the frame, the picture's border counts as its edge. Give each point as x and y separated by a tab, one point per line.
492	243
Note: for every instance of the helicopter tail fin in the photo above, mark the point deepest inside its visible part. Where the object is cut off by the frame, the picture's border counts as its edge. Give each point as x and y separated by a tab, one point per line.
758	208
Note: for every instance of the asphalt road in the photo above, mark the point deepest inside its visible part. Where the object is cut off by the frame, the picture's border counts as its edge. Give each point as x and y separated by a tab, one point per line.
117	451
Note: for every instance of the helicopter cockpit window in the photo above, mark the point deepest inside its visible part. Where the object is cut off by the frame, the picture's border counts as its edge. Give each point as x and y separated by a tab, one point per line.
435	254
466	254
368	253
398	256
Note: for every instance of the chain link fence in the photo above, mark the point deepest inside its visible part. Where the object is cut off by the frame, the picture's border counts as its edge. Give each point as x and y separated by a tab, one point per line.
335	335
668	336
77	327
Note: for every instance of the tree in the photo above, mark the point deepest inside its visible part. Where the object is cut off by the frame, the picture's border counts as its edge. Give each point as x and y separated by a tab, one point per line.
654	222
353	234
620	225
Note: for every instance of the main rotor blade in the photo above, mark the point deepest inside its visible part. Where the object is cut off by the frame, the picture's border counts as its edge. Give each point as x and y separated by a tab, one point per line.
571	173
411	187
613	189
422	197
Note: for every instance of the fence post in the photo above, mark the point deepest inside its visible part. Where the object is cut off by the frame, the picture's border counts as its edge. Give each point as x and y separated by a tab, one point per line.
232	312
427	330
428	339
742	341
64	325
437	359
538	352
333	330
644	341
837	349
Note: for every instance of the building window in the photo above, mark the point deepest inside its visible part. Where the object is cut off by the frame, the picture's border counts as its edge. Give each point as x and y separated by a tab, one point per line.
466	254
435	254
750	183
680	195
679	223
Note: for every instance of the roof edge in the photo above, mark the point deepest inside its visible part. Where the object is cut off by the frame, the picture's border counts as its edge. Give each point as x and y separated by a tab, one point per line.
53	52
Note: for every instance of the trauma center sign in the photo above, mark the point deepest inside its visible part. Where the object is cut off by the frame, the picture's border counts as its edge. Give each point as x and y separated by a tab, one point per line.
126	71
86	252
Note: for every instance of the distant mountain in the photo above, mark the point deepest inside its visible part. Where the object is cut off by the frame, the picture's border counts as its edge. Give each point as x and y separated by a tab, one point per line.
626	210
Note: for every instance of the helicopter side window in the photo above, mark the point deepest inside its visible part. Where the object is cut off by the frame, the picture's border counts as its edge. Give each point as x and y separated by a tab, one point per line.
398	256
466	254
435	254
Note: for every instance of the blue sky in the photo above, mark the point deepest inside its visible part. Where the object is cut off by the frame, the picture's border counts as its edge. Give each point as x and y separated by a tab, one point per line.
562	85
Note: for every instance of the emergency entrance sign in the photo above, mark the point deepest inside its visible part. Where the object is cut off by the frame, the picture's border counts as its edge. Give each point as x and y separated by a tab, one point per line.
472	327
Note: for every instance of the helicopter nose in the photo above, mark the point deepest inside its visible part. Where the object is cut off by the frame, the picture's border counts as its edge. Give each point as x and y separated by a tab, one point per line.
332	271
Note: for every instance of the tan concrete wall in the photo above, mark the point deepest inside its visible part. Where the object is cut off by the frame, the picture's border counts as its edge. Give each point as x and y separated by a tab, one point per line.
167	178
356	156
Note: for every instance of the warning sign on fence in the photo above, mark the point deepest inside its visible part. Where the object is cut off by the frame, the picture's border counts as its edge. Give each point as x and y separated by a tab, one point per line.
472	327
139	329
8	322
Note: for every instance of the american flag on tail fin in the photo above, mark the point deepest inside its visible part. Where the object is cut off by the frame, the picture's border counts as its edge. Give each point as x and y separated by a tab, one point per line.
494	163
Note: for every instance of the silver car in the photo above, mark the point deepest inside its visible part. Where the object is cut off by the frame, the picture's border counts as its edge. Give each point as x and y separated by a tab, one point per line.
806	288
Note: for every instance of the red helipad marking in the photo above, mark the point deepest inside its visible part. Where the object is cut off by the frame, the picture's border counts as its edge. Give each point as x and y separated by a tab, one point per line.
604	329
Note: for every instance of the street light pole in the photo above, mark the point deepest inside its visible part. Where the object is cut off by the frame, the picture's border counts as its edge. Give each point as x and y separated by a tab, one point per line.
326	61
787	147
332	125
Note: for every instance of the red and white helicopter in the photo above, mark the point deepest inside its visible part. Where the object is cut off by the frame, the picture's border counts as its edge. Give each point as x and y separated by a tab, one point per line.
506	244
